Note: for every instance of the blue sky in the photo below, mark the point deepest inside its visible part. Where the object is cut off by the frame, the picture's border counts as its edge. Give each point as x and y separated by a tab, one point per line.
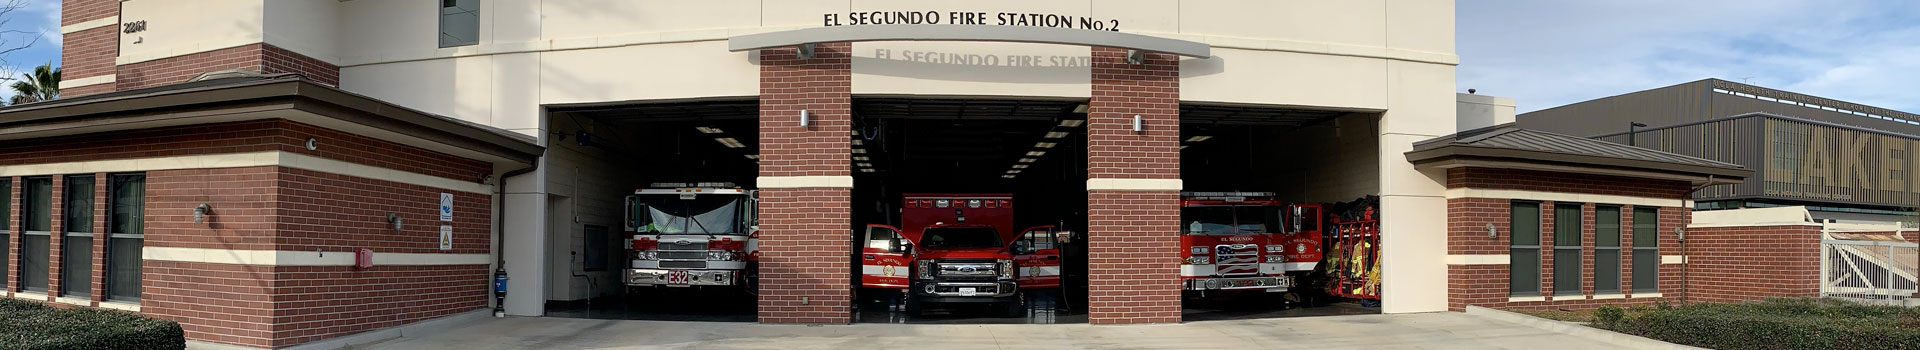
41	19
1550	53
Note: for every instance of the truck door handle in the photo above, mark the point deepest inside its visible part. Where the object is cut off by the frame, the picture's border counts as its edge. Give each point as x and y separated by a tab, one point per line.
868	256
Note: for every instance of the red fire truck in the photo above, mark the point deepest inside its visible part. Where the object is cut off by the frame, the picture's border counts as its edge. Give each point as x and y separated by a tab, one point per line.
684	235
957	248
1246	241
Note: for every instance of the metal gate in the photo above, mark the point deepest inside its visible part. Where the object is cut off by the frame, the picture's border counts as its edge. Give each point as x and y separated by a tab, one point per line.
1868	272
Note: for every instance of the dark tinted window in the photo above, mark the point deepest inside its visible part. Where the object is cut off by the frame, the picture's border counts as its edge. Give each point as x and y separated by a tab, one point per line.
1524	266
960	237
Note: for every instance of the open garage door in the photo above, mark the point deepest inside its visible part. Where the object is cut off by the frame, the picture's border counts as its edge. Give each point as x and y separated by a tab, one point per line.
652	210
1263	213
932	169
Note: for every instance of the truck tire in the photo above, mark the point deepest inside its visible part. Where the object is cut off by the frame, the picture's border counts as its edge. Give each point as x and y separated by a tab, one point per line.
913	305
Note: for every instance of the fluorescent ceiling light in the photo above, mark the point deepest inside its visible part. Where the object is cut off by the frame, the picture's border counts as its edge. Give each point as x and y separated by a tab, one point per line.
860	158
1072	123
1183	147
858	150
1013	171
1082	108
1044	145
1036	153
1027	160
869	165
1199	138
856	142
866	170
1056	134
1019	166
730	142
1006	176
753	156
707	130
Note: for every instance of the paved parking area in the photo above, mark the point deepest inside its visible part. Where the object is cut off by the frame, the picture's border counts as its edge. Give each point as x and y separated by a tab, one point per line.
1445	330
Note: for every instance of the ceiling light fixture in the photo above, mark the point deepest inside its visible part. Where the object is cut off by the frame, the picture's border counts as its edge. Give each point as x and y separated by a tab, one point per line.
866	170
859	150
707	130
1044	145
753	156
1027	160
1036	153
869	165
860	158
1199	138
1072	123
856	142
730	142
1013	171
1006	176
1056	134
1019	166
1082	108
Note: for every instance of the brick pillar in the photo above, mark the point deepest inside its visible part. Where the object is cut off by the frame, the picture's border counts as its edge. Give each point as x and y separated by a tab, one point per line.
57	234
1133	184
805	186
99	264
87	56
12	253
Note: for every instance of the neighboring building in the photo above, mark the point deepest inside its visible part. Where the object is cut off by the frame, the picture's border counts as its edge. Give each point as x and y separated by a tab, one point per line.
1842	160
456	137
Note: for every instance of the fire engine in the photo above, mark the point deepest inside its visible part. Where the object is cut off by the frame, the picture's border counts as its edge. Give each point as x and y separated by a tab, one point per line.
684	235
1246	241
958	248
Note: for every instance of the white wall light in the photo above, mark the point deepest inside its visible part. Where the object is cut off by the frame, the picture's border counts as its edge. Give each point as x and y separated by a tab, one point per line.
803	117
1137	126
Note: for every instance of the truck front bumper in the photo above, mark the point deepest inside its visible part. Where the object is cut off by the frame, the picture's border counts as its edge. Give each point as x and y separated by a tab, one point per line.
662	277
1233	283
958	292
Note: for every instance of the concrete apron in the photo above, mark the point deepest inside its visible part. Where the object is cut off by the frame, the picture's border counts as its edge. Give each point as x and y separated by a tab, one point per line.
1444	330
1575	329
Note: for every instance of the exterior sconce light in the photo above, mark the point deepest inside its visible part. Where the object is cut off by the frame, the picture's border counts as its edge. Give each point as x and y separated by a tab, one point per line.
395	220
805	51
1680	232
803	117
1135	57
200	212
1138	125
1492	232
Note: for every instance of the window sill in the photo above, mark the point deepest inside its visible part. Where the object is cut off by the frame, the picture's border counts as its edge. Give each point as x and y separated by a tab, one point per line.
1648	295
35	296
121	305
1526	299
82	301
1608	296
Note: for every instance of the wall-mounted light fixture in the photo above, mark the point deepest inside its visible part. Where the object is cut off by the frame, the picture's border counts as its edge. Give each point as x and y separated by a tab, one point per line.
1136	57
805	51
803	117
394	220
200	212
1680	232
1137	124
1492	232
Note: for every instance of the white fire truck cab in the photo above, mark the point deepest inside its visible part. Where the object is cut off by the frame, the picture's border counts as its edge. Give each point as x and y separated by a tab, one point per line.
683	235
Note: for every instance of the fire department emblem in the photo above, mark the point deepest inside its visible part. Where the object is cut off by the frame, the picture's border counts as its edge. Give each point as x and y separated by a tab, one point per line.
1300	248
887	270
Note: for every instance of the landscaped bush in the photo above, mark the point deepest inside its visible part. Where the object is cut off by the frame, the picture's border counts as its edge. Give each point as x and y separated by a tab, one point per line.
1795	323
30	325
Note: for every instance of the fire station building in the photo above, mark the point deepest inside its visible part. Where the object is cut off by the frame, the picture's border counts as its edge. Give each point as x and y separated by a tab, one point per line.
310	173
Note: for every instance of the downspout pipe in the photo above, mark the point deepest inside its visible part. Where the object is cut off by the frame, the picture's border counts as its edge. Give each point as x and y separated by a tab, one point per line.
1686	265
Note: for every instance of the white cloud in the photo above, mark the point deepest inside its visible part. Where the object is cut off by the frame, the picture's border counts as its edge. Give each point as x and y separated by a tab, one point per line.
1551	53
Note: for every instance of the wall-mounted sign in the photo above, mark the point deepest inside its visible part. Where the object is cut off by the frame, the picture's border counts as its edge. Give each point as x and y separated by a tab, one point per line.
446	237
446	207
969	18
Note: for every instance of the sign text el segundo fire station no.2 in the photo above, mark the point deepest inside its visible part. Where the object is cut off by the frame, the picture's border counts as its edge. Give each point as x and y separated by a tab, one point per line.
857	18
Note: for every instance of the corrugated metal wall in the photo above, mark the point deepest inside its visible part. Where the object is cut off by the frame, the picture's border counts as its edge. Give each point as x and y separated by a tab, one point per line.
1799	160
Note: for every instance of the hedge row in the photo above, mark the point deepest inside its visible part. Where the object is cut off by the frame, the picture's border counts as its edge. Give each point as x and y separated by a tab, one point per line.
32	325
1791	323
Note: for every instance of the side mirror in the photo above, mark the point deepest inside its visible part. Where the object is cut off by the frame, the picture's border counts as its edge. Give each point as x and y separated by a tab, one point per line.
904	248
1021	247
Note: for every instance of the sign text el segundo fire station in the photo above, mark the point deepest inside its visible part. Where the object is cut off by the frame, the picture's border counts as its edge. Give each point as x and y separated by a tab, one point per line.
969	18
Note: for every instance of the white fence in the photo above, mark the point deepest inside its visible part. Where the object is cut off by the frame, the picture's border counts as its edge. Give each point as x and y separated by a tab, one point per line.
1869	272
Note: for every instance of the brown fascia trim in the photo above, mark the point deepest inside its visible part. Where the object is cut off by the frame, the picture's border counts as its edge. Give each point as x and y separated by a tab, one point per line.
1577	160
301	95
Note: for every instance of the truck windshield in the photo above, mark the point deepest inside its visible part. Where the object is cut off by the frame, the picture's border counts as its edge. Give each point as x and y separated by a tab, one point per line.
704	214
960	237
1230	219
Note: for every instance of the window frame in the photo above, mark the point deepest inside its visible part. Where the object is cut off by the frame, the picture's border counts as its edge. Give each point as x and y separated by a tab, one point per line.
1653	227
114	237
1600	250
440	24
1513	230
77	281
27	213
6	230
1579	253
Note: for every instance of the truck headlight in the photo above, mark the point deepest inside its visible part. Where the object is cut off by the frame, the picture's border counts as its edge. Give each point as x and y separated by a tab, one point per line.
925	269
646	255
1200	250
719	255
1198	260
1276	258
1006	269
1276	248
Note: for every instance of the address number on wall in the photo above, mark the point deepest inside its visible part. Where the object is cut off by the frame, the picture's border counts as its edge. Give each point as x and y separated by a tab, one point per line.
133	27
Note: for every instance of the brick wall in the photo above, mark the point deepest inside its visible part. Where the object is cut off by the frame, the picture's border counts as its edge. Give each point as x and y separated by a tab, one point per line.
1732	264
1488	285
12	273
90	52
1130	231
804	237
257	57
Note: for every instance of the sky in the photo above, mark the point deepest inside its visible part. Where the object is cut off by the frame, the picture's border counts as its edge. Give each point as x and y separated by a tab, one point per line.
1548	53
40	19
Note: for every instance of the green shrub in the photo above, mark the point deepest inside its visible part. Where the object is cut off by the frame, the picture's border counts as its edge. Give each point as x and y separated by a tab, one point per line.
1795	323
1608	316
31	325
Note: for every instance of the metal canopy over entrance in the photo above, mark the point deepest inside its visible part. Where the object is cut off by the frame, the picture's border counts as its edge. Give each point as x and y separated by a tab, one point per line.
958	32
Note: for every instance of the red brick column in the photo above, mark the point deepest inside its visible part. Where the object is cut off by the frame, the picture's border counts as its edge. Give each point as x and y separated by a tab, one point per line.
805	237
90	52
12	254
57	235
98	278
1133	199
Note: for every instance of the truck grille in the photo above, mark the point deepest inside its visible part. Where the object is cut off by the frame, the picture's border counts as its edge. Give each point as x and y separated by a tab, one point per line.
683	255
1236	259
683	264
984	271
674	244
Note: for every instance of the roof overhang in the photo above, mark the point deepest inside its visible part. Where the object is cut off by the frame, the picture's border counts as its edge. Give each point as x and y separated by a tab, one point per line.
957	32
291	99
1457	156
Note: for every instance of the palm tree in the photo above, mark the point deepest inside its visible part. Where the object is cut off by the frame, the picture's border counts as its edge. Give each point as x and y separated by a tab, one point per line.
42	85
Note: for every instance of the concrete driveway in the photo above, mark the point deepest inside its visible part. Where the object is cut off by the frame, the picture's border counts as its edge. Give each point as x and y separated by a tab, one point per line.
1446	330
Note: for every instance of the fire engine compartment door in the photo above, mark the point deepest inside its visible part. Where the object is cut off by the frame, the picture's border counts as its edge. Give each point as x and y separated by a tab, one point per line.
1037	258
880	266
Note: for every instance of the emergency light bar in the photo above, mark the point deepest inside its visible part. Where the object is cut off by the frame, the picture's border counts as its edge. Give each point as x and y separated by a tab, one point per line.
1227	194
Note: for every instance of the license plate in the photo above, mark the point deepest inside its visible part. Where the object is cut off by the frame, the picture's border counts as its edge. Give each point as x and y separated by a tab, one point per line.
967	291
679	278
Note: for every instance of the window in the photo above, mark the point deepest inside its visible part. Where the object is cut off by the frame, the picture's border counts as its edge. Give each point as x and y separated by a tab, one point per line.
76	252
1524	266
6	228
126	228
36	220
459	22
596	257
1646	250
1606	249
880	238
1566	249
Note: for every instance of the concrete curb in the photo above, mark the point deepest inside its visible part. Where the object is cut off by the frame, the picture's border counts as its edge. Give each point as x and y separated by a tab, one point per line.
371	337
1575	329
